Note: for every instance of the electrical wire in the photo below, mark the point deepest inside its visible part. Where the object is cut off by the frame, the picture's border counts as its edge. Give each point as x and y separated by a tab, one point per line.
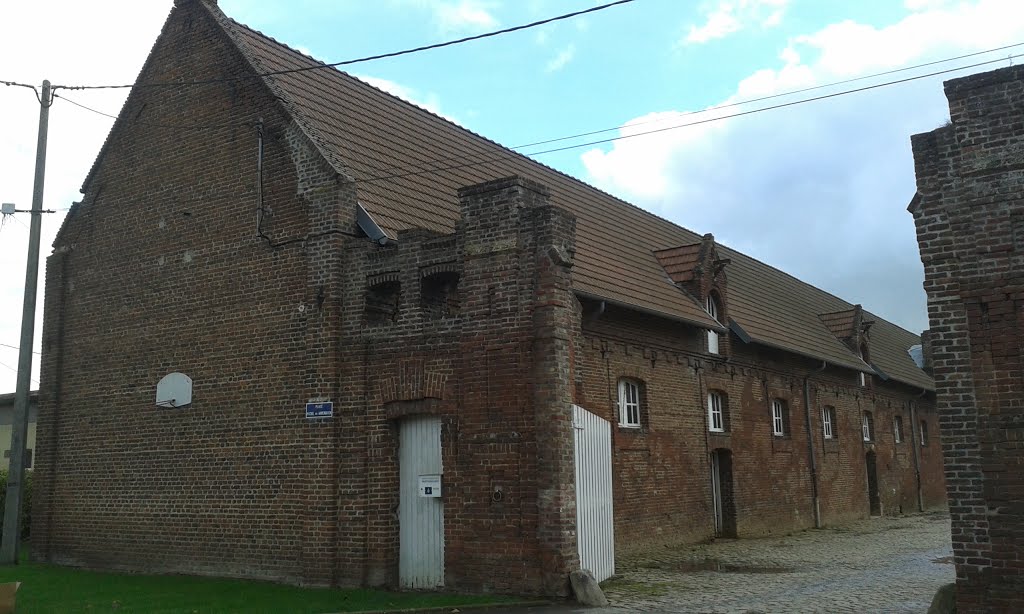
662	120
155	125
2	364
12	216
380	56
31	87
513	154
784	94
14	347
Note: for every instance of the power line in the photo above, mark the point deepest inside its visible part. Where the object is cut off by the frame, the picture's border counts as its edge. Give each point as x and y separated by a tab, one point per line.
154	125
2	364
677	126
14	347
31	87
784	94
16	84
381	56
687	113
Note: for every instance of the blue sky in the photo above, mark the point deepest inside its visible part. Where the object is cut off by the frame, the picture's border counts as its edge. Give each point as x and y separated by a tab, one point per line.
818	190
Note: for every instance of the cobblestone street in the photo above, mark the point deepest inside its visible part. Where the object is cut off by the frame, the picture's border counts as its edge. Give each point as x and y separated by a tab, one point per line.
877	565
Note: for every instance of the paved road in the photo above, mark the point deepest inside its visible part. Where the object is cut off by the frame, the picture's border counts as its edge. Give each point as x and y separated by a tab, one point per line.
884	565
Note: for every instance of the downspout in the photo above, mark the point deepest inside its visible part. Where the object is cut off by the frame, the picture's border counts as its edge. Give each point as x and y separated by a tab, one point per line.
259	180
914	435
812	460
698	370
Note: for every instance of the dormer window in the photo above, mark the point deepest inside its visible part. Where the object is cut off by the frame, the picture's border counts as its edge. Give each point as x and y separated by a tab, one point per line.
711	304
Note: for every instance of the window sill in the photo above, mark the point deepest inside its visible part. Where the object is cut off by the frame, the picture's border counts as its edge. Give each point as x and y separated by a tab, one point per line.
630	427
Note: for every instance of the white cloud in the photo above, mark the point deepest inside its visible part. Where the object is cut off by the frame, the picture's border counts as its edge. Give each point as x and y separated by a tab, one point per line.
564	56
818	189
430	101
918	5
460	15
730	16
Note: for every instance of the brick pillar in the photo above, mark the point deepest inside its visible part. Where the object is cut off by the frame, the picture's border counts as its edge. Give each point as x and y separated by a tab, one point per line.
520	318
555	329
969	213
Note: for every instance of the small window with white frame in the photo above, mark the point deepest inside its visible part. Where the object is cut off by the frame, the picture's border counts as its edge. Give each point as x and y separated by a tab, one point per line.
924	433
629	403
780	418
713	338
717	421
867	426
828	422
897	428
863	377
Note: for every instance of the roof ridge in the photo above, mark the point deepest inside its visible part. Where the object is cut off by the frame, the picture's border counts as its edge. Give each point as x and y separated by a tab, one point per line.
461	127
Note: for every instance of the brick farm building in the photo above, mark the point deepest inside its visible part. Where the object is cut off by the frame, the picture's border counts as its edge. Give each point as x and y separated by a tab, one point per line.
291	333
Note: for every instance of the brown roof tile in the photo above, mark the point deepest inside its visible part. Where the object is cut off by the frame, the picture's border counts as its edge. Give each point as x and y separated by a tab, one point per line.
679	262
409	163
840	322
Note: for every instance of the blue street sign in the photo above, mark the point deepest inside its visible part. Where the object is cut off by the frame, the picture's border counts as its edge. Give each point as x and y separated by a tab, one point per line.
320	410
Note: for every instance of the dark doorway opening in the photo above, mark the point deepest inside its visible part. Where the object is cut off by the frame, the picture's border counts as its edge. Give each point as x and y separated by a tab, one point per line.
722	493
873	500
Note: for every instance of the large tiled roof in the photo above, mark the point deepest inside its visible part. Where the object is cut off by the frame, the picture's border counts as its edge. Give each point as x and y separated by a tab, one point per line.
384	144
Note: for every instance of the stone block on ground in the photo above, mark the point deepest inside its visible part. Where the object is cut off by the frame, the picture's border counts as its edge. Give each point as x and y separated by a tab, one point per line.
586	589
944	601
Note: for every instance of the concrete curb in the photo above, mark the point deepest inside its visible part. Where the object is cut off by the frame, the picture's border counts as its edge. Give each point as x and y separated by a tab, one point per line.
450	608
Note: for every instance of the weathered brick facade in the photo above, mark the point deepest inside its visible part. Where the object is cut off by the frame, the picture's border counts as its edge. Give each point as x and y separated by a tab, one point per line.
969	210
217	238
662	470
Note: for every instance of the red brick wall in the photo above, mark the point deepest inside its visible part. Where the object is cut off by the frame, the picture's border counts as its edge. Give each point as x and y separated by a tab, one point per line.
503	391
662	470
969	213
239	483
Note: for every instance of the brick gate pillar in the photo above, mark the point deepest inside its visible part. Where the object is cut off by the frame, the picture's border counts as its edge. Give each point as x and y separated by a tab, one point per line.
969	212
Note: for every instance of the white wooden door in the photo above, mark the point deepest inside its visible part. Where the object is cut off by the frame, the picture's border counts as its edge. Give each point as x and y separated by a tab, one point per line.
595	524
420	519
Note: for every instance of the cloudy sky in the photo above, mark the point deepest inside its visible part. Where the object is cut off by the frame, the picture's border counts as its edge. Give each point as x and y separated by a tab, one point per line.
818	190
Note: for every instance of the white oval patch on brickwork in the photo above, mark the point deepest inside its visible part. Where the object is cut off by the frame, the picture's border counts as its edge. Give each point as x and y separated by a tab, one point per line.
174	390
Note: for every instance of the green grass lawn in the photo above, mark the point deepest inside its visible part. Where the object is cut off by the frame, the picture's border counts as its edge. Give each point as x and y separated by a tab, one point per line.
52	589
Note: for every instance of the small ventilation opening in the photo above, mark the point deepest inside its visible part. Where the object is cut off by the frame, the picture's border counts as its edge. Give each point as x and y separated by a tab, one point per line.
382	302
440	294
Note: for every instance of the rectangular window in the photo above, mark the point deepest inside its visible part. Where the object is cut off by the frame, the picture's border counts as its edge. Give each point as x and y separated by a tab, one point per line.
629	403
867	426
712	306
780	418
897	429
828	422
924	433
716	420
